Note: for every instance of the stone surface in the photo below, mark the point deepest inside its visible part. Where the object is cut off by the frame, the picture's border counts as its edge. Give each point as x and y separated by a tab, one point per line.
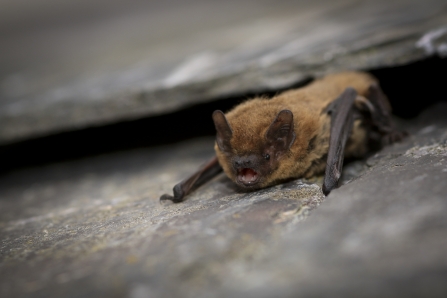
69	65
94	227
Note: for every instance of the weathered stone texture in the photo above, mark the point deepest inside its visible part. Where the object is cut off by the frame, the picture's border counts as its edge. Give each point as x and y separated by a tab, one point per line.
95	227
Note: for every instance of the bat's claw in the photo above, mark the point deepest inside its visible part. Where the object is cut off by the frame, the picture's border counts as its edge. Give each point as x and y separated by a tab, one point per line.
393	137
325	190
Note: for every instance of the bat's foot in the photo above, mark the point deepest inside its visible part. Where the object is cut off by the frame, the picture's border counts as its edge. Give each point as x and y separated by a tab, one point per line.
393	137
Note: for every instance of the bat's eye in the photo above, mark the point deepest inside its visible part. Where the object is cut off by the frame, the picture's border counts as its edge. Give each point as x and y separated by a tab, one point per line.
267	156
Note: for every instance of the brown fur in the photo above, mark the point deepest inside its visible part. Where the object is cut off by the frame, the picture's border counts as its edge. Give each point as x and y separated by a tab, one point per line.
306	157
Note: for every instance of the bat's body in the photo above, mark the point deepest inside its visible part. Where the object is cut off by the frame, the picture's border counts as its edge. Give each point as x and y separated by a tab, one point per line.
306	156
298	133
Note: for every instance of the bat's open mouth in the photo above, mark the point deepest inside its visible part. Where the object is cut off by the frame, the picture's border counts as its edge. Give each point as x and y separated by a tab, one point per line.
247	176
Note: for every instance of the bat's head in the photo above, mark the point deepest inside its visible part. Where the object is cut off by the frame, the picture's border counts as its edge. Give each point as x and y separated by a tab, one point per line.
251	155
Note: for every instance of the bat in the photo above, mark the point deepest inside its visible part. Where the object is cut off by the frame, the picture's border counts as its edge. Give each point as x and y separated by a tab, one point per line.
299	133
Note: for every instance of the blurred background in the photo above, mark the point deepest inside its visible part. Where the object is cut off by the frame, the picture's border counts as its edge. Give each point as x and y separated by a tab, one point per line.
103	71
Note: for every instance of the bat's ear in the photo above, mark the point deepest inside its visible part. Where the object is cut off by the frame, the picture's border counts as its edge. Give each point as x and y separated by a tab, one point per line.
280	133
223	129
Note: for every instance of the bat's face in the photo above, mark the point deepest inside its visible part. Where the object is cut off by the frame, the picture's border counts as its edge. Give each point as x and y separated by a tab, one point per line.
250	162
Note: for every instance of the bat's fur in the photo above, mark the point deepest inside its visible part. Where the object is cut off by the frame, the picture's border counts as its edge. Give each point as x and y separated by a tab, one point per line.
306	157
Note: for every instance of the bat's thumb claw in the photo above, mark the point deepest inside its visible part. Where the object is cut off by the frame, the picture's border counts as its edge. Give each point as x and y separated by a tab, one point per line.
325	190
166	197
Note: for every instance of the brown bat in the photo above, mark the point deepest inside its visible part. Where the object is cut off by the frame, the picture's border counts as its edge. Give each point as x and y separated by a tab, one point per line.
299	133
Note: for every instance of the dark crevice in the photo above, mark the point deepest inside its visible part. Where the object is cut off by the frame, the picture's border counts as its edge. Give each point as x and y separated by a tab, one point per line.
414	87
190	122
410	88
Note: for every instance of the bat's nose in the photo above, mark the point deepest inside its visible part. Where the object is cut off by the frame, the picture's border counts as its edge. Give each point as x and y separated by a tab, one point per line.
244	162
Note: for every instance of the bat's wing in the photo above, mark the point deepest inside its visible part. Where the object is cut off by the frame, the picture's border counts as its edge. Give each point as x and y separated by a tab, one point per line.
205	173
380	113
342	119
343	113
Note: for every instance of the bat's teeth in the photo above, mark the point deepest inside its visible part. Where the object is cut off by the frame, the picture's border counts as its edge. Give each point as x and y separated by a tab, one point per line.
248	176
